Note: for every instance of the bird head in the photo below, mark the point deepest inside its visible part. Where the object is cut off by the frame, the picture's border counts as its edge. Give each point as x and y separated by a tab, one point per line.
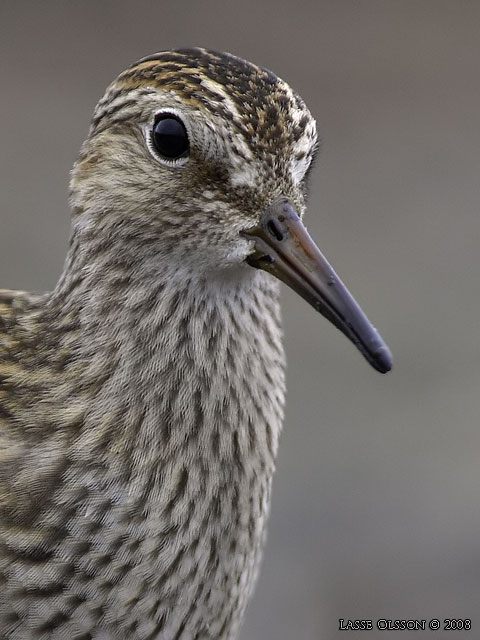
200	159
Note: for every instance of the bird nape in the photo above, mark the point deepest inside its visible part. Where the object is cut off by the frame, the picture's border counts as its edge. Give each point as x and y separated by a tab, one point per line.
142	399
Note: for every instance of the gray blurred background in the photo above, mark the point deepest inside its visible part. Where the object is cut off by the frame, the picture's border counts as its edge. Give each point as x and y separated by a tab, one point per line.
376	508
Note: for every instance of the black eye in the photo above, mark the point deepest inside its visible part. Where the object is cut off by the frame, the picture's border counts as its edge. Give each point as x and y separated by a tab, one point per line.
169	137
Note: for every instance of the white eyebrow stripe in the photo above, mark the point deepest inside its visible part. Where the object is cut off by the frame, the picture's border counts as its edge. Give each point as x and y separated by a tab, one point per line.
216	87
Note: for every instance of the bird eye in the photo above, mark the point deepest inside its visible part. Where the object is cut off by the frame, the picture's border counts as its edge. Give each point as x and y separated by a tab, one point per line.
169	137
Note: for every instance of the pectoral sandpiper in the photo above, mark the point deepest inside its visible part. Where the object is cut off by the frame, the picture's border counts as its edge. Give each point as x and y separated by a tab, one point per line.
141	400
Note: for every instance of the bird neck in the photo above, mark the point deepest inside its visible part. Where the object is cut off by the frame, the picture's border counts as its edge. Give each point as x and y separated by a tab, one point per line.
172	360
162	401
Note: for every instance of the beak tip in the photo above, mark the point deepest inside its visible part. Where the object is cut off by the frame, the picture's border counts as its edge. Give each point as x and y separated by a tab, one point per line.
382	359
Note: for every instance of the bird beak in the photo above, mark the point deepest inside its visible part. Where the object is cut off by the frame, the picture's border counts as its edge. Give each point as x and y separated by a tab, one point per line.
284	248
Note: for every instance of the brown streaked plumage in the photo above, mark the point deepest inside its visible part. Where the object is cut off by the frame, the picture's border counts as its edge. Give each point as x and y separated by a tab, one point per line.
141	400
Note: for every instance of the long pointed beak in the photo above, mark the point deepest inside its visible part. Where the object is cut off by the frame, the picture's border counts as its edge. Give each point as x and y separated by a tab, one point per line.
284	248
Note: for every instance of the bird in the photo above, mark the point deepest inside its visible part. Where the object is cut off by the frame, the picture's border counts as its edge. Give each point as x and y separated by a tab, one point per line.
141	400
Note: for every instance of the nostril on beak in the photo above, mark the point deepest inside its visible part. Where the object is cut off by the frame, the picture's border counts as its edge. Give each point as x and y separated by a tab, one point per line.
275	230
